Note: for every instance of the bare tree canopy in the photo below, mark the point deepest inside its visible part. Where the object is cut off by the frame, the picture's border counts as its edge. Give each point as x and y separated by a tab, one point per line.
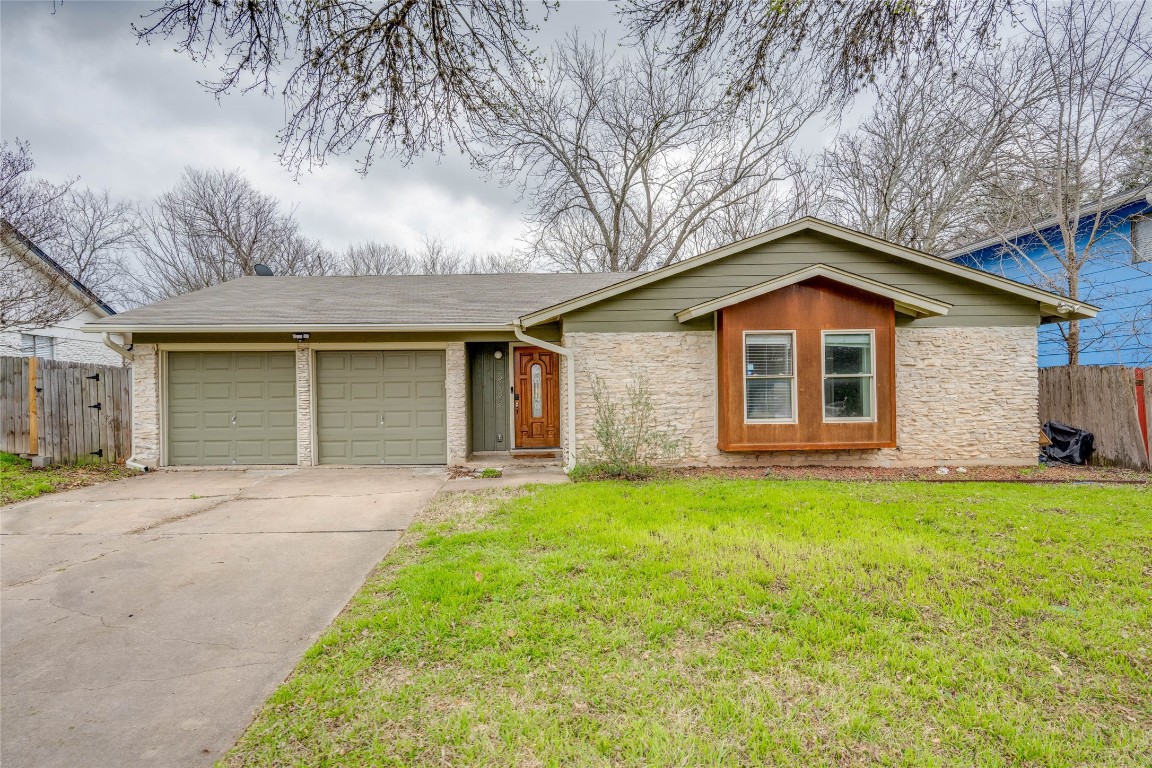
434	256
915	171
399	77
1097	79
626	166
83	231
214	226
851	43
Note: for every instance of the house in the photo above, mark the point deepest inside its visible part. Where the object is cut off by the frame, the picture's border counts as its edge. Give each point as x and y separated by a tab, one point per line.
31	276
807	344
1118	278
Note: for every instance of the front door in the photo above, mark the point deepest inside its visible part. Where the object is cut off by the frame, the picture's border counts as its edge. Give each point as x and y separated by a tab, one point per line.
537	397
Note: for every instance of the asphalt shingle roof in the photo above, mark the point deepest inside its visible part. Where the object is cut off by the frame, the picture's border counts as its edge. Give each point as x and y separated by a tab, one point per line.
368	300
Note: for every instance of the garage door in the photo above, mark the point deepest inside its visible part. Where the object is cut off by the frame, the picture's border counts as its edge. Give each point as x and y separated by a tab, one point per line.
231	408
381	407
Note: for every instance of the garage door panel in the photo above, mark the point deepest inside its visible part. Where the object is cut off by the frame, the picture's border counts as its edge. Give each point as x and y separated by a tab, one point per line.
381	407
231	408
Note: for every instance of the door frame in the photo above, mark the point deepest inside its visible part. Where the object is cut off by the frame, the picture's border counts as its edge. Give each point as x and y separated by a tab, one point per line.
512	345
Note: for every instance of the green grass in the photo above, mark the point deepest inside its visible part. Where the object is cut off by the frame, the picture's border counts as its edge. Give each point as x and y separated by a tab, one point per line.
741	623
19	481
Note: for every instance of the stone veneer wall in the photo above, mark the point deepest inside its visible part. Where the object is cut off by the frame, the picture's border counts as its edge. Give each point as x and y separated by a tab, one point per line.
304	358
456	395
146	405
963	395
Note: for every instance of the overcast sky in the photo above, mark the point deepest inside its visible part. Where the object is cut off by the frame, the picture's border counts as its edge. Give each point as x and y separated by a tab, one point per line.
128	117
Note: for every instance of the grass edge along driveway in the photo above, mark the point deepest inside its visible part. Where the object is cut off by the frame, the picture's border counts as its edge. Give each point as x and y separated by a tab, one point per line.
20	481
740	622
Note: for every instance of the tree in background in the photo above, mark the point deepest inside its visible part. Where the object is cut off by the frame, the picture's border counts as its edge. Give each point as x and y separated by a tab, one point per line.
915	170
434	256
85	231
214	226
1080	147
628	166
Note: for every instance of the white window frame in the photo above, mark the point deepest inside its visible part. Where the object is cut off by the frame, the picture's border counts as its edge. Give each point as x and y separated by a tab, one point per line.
824	376
744	376
1141	251
43	346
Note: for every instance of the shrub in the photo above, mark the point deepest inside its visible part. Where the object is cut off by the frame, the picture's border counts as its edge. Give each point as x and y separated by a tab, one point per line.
627	438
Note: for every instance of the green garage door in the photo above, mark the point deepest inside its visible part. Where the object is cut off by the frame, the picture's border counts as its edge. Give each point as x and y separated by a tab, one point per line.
381	407
231	408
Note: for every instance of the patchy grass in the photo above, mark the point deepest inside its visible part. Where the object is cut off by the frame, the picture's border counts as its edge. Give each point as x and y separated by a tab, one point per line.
716	622
19	481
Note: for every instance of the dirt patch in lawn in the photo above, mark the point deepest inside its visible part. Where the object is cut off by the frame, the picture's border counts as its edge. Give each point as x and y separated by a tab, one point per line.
20	481
1038	474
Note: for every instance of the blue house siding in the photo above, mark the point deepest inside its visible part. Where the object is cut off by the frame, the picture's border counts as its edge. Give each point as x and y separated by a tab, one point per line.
1121	334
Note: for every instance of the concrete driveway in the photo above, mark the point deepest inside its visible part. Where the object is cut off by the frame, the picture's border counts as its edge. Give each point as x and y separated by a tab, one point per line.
144	621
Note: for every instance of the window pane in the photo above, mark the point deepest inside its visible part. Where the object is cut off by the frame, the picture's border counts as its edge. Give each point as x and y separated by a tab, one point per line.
1141	239
847	398
768	354
768	398
847	353
537	394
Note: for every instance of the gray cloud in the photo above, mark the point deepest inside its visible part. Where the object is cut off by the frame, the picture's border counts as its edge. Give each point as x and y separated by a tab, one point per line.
128	117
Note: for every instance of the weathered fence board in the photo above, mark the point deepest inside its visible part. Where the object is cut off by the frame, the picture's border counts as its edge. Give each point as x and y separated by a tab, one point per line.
68	426
1102	400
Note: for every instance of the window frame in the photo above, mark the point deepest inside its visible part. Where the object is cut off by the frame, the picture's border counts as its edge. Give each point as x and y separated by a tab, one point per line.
1135	245
794	418
43	346
824	376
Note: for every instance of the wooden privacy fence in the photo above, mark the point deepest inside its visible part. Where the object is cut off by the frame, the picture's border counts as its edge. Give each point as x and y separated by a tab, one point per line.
1111	402
73	412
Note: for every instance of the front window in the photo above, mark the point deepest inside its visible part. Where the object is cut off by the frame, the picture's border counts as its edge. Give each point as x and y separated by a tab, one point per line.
769	377
849	376
34	345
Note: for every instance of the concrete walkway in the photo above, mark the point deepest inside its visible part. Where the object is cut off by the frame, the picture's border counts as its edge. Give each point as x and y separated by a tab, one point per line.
144	621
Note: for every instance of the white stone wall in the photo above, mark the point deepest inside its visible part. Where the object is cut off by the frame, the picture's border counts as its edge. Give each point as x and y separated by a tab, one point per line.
304	455
456	394
963	395
145	405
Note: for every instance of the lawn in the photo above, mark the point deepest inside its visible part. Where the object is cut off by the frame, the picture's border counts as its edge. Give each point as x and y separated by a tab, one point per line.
744	622
19	481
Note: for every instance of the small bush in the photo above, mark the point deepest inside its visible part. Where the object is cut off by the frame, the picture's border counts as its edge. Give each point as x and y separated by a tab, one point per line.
491	472
627	438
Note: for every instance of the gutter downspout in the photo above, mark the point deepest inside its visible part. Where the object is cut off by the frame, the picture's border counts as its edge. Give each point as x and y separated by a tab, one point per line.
518	329
124	353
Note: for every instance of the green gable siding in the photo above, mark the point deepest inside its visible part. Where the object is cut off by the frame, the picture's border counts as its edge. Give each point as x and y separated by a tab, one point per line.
652	308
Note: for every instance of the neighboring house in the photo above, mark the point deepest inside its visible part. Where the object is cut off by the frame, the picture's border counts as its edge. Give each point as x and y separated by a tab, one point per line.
24	263
807	344
1118	277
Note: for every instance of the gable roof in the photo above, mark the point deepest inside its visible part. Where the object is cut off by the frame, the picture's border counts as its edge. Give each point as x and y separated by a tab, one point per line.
907	302
1050	303
16	240
1105	205
385	302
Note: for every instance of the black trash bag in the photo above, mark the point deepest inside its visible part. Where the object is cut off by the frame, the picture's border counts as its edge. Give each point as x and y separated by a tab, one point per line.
1069	445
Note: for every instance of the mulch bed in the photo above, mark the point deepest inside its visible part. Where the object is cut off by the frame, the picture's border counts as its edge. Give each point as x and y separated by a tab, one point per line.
1039	474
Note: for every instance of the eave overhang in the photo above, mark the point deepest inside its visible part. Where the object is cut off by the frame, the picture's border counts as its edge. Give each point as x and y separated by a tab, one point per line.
906	302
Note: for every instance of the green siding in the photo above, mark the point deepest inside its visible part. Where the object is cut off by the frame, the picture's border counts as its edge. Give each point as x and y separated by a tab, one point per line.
652	308
489	392
231	408
377	407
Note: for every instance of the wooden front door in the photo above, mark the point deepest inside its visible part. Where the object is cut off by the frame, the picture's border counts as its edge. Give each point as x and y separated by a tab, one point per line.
537	396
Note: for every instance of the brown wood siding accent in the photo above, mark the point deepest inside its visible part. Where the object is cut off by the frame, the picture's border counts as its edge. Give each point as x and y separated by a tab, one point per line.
806	308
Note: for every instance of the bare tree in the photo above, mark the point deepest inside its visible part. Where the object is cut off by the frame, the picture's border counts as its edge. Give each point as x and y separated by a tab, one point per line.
913	172
84	233
29	204
1094	60
846	44
625	165
395	78
214	226
434	256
